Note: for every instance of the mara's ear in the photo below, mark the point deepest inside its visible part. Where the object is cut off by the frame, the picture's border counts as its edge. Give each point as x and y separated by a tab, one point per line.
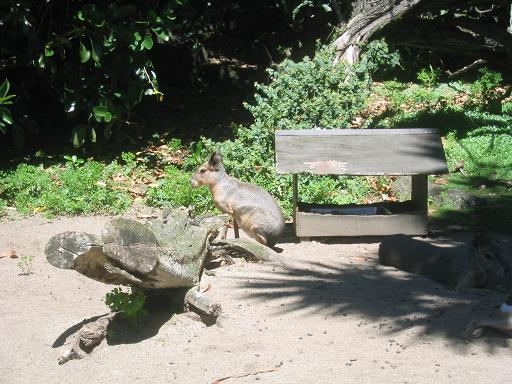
215	160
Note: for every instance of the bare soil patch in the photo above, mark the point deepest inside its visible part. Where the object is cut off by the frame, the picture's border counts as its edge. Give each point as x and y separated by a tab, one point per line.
328	313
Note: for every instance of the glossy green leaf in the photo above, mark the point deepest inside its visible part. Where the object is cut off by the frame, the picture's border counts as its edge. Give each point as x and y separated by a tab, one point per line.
40	62
85	54
78	135
48	52
6	99
107	117
92	134
94	54
100	110
5	115
147	42
4	88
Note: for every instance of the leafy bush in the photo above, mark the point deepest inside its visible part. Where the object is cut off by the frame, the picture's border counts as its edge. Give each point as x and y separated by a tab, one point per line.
303	95
175	191
88	189
95	57
310	93
23	188
3	204
486	83
429	76
488	155
475	117
72	190
129	305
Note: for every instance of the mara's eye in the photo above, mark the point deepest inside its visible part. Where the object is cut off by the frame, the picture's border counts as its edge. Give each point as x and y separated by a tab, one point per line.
202	170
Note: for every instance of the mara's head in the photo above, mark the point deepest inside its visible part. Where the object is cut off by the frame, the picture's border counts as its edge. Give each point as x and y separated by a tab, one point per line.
208	172
490	259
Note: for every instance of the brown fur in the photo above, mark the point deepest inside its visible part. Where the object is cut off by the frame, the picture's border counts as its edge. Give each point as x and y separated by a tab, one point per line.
253	208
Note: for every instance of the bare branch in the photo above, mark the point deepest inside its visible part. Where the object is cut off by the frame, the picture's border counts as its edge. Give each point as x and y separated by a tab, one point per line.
467	68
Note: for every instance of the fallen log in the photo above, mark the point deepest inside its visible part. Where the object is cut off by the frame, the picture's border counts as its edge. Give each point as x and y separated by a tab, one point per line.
166	255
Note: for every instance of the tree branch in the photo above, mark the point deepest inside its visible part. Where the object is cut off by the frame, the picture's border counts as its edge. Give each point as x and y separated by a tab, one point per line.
363	25
465	69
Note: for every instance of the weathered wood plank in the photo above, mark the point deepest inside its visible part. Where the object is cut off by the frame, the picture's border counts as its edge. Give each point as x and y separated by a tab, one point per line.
360	151
295	189
317	225
419	192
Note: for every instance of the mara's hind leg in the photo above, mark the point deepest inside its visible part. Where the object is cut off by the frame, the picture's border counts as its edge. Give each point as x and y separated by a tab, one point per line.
260	238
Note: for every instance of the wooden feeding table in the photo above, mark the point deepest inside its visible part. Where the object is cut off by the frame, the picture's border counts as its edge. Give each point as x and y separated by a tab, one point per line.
361	152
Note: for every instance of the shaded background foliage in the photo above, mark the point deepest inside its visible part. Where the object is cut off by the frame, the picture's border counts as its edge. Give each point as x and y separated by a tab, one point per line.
85	59
165	82
79	67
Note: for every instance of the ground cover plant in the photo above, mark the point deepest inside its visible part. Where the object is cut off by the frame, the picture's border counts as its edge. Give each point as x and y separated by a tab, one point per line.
57	190
474	117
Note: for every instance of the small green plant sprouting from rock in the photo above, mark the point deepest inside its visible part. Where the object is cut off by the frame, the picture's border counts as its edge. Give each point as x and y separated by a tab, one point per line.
25	264
129	305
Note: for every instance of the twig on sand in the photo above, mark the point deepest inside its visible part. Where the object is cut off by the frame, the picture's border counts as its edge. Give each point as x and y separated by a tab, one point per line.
244	375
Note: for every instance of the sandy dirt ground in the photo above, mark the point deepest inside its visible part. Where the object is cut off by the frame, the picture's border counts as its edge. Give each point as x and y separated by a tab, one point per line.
328	314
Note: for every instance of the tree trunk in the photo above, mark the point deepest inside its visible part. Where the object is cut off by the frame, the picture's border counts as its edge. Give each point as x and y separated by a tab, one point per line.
479	25
367	18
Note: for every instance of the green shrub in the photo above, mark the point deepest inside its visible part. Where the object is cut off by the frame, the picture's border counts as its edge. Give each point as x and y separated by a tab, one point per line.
488	155
3	204
307	94
24	187
94	57
5	99
129	305
475	118
429	76
87	189
175	191
303	95
71	190
486	83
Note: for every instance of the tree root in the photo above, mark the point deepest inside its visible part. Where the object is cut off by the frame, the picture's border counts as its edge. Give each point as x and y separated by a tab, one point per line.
86	338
